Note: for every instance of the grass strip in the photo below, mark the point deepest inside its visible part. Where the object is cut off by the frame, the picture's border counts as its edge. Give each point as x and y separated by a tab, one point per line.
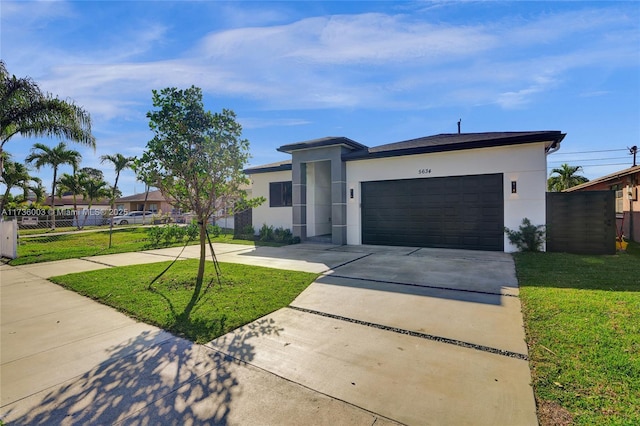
582	320
246	293
74	245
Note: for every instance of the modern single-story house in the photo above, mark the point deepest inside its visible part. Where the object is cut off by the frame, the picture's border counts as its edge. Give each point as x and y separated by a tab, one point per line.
448	190
626	184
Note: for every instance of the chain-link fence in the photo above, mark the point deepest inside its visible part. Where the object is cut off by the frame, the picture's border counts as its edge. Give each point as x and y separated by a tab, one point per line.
44	237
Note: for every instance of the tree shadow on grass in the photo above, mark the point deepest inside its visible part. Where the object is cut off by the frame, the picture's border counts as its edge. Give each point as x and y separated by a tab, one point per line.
145	381
197	330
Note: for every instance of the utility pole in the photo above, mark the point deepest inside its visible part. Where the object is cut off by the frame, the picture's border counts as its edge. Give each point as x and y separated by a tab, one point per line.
632	151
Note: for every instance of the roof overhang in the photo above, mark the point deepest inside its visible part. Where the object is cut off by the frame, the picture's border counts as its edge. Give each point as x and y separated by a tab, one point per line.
322	143
269	168
458	142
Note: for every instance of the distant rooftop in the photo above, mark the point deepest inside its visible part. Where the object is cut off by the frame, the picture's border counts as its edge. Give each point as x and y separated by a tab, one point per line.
154	195
609	177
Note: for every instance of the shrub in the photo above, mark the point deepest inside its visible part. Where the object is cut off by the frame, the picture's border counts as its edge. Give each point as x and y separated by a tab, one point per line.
529	237
214	230
191	231
172	233
278	235
281	235
154	235
247	232
160	236
266	233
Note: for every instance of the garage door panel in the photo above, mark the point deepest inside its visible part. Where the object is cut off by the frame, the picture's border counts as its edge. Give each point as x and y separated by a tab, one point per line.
451	212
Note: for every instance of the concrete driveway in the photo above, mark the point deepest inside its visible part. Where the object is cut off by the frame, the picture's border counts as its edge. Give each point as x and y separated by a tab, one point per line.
385	335
420	336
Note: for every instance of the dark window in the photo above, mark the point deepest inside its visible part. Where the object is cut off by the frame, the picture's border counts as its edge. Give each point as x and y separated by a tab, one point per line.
280	194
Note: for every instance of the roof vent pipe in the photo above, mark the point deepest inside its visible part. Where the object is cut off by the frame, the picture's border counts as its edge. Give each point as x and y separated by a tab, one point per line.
459	122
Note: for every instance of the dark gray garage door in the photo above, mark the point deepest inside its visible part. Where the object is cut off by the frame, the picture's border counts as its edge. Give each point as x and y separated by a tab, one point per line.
465	212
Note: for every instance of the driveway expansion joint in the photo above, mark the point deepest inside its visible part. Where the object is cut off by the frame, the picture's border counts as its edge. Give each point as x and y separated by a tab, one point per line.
436	287
86	259
345	263
425	336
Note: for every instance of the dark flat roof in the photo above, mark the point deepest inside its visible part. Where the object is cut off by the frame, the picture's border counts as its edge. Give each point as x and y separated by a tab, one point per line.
429	144
456	141
322	142
272	167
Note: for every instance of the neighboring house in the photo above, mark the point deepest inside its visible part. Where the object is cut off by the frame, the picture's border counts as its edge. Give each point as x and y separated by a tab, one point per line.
447	190
626	184
156	203
65	211
65	202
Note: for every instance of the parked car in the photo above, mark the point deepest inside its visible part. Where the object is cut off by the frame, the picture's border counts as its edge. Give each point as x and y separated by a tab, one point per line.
134	217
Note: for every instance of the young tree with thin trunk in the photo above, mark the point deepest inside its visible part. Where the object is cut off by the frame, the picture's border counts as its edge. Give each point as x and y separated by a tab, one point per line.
27	111
197	157
42	155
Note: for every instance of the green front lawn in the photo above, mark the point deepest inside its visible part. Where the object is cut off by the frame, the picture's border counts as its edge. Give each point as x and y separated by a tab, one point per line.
246	294
71	246
582	319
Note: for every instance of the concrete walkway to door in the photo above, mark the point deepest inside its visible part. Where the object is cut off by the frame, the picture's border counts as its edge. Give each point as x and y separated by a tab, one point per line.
384	335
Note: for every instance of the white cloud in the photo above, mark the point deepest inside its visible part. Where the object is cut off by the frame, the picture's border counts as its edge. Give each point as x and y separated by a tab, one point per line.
261	123
368	60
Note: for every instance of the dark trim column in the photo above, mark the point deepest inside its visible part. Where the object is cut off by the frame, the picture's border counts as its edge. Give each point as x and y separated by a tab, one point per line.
299	195
338	200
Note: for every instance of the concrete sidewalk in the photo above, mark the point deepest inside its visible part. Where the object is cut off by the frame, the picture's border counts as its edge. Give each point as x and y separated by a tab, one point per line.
66	359
417	336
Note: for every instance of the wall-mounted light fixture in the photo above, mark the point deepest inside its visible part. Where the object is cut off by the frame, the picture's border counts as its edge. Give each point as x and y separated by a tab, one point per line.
350	192
514	187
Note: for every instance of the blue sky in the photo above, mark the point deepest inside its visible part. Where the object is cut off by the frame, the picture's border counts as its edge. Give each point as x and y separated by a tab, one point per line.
376	72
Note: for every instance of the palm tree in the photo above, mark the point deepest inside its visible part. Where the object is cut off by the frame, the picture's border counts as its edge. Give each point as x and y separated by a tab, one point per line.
13	175
120	162
566	178
27	111
93	189
145	175
37	189
41	155
72	183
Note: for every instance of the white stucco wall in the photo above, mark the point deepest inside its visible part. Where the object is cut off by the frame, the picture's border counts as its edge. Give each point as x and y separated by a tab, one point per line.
525	164
273	216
